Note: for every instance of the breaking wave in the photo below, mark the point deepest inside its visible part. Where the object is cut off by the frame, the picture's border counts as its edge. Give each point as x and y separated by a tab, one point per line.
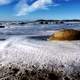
31	51
61	57
56	56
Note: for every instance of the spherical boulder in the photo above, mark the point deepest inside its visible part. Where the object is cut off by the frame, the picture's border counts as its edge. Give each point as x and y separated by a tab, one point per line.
66	34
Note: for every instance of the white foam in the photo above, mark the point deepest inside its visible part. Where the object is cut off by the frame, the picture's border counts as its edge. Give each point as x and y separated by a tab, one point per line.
20	50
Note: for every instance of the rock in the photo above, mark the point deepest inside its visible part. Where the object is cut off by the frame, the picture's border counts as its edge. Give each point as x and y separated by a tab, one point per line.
66	34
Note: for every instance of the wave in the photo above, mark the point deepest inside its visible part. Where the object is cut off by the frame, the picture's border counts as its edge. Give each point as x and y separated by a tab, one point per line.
29	51
18	54
30	47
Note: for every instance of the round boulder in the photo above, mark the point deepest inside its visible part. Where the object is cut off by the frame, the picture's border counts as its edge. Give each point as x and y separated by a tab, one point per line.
66	34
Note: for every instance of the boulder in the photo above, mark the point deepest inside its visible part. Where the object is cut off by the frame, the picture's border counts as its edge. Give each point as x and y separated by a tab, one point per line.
66	34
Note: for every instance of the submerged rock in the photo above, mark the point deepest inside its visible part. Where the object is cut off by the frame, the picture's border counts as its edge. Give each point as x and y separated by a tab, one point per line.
66	34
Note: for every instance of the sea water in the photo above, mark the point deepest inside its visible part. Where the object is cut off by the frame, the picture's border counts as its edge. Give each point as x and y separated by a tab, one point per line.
29	45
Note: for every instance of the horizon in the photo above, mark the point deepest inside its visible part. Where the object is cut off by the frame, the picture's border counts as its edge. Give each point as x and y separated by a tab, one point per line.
30	10
37	20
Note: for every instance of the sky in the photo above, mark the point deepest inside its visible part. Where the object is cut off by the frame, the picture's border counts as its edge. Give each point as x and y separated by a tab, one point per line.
13	10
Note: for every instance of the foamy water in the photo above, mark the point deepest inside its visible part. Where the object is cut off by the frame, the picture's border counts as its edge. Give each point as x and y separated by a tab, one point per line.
19	48
26	51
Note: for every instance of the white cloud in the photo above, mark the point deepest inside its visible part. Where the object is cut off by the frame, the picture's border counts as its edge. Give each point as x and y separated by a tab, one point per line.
23	8
4	2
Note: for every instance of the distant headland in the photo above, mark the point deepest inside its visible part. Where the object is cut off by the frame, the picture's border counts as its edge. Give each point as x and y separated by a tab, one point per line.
35	22
43	21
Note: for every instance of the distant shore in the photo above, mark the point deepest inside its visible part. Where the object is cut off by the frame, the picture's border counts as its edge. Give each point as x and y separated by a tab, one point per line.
41	21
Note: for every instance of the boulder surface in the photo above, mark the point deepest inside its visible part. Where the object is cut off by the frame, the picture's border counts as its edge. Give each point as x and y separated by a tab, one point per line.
66	34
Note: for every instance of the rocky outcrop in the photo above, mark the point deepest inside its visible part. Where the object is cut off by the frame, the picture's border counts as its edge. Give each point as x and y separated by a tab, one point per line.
66	34
22	72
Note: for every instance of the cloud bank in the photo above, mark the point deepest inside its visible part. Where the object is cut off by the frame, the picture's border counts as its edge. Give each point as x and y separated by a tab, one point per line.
4	2
23	8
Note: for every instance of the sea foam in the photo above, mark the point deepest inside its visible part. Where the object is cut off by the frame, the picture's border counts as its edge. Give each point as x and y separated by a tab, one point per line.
27	51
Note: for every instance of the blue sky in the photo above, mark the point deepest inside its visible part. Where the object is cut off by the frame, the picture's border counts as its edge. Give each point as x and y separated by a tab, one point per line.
39	9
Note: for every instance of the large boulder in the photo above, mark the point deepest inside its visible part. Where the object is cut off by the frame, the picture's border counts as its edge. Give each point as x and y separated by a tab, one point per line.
66	34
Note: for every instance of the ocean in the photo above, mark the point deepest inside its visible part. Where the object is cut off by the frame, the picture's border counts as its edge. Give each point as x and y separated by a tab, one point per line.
29	45
35	37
